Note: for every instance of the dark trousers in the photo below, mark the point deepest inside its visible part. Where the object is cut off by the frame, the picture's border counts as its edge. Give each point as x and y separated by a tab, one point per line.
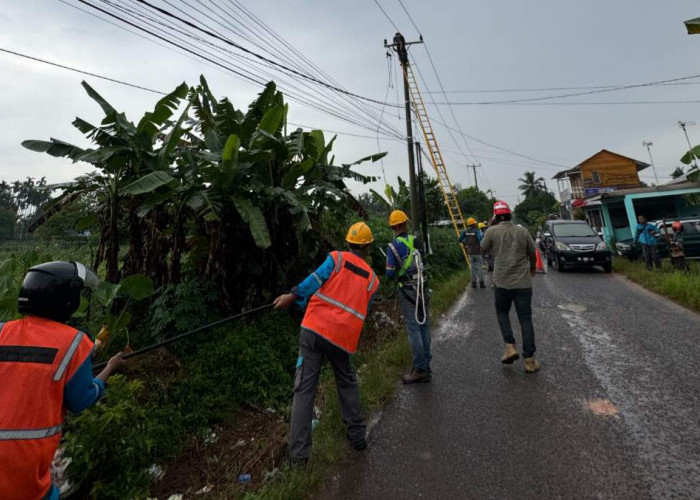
651	254
523	307
314	350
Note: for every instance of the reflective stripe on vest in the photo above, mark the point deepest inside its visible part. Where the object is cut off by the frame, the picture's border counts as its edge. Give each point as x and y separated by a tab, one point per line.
341	305
69	355
10	434
337	311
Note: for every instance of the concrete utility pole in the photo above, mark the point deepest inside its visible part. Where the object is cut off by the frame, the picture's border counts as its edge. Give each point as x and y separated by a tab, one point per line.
683	125
423	214
648	145
476	181
400	46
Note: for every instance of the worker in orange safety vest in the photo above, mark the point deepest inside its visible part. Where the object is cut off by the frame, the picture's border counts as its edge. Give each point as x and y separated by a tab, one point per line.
45	370
339	295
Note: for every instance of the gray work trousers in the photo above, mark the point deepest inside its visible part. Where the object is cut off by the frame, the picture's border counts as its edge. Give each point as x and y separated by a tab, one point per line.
314	350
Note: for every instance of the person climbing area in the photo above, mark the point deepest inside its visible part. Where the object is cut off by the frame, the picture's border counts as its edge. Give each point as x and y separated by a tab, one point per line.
337	297
46	370
471	238
404	263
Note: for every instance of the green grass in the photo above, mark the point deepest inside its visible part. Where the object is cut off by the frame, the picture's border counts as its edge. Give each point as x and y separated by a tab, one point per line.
683	288
378	372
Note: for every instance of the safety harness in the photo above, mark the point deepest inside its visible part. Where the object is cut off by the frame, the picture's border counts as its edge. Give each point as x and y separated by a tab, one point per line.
414	280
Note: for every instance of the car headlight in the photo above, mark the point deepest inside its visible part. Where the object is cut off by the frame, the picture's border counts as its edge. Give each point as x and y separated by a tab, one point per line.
562	246
601	246
622	246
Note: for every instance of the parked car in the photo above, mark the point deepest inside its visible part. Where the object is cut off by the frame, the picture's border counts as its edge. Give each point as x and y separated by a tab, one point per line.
568	243
691	240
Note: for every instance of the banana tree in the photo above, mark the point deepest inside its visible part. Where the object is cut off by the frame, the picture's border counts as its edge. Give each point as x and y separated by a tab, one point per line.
123	152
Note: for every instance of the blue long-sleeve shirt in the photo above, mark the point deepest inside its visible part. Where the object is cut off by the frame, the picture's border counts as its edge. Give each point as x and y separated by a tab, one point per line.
82	390
644	236
314	281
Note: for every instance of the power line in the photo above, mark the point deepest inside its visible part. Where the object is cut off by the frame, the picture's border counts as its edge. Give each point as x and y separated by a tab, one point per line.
590	92
76	70
146	89
575	103
549	89
331	109
387	16
255	54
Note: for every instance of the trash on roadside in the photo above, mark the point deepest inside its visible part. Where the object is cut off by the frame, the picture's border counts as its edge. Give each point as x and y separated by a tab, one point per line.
206	489
177	496
317	412
59	475
211	438
383	318
314	424
244	478
156	472
239	443
270	475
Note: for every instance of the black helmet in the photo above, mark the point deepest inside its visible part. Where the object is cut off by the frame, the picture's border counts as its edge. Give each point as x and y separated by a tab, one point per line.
52	290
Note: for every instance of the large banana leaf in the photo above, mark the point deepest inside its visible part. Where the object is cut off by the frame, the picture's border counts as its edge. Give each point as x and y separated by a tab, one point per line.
272	120
149	183
164	109
54	147
106	107
93	133
255	219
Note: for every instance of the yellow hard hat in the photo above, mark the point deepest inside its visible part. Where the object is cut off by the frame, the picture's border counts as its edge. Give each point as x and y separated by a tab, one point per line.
397	217
482	225
471	221
359	234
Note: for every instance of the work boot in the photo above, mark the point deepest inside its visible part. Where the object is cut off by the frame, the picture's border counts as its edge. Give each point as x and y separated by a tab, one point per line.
482	284
474	284
416	377
531	365
510	355
359	445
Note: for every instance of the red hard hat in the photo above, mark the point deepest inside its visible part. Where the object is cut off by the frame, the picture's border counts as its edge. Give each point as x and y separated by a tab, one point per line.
501	208
677	225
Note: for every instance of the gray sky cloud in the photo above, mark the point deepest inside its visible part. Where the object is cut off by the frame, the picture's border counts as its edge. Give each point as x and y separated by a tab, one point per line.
475	45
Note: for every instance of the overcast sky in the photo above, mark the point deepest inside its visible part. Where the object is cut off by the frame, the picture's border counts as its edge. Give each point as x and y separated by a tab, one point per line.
476	45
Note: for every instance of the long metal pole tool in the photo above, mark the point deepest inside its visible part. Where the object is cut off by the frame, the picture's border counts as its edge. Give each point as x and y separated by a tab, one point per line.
186	334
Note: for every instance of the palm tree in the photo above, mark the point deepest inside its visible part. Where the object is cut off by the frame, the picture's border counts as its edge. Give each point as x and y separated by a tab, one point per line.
531	185
678	172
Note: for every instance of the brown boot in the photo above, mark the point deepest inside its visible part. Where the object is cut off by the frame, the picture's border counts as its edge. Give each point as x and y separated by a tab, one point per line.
510	355
416	377
531	365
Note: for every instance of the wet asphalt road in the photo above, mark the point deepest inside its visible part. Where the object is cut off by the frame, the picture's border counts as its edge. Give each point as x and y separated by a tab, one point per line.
482	430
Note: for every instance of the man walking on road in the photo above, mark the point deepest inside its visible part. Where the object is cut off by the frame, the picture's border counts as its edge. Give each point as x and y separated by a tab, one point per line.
339	295
402	264
646	236
471	238
514	265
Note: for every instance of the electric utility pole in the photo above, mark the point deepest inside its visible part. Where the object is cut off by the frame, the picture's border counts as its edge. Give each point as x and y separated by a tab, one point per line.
400	46
682	125
423	201
648	145
476	181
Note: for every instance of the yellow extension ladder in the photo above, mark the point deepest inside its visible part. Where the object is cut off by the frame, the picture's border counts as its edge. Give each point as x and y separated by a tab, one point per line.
446	186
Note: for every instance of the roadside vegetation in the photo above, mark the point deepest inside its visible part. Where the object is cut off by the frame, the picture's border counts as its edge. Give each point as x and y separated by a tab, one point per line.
198	211
681	287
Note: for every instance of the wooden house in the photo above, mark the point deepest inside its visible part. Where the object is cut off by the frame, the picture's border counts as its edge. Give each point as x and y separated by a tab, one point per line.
603	172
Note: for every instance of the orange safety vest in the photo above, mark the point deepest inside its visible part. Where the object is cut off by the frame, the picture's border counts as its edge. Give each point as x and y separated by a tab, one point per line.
38	357
337	310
